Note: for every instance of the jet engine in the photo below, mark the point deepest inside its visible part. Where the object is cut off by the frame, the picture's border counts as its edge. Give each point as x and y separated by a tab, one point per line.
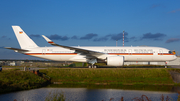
115	60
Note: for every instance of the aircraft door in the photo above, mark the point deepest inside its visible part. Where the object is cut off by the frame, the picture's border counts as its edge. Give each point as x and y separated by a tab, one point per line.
155	53
130	52
43	51
160	52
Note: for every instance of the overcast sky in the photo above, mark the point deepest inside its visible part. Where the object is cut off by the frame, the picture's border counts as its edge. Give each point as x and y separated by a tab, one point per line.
90	23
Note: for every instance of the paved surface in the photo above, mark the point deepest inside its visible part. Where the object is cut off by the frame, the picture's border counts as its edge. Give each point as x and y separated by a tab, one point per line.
175	66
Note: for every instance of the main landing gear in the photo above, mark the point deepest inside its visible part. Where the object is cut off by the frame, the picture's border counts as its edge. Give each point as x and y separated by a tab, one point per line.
92	66
92	62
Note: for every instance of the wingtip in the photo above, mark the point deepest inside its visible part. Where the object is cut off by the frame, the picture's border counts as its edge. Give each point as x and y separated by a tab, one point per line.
7	47
47	39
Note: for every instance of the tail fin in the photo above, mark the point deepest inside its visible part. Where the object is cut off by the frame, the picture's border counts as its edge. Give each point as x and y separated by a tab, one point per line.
23	39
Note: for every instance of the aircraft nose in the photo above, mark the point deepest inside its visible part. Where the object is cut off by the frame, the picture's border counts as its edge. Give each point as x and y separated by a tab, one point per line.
174	57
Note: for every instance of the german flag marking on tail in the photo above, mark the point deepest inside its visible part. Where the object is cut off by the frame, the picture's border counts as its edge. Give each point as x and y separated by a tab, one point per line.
20	32
50	42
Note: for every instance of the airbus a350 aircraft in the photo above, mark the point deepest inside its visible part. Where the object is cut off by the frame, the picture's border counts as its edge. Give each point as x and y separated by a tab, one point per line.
113	56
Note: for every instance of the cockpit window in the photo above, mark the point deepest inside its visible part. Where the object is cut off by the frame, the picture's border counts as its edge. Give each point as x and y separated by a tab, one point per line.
172	52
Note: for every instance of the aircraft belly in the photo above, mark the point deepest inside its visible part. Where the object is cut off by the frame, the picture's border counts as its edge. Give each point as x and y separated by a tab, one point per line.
79	58
164	58
152	58
56	57
138	58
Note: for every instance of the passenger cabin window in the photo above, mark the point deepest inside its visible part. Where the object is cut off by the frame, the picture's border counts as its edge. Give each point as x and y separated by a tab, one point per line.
140	51
145	51
150	51
136	50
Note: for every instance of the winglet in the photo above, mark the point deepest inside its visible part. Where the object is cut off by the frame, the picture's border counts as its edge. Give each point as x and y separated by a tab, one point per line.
48	40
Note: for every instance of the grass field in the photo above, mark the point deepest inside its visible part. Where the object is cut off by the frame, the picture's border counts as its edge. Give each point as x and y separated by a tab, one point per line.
106	76
14	80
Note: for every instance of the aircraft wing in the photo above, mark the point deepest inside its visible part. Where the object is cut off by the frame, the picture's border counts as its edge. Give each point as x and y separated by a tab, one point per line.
17	49
87	53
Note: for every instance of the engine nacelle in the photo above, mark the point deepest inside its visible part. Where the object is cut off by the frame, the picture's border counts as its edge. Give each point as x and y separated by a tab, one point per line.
115	60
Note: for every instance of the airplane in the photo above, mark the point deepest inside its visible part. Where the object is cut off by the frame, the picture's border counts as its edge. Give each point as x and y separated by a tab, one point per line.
112	56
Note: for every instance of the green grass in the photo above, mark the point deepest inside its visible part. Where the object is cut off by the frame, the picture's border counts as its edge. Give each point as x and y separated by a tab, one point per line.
176	70
14	80
105	76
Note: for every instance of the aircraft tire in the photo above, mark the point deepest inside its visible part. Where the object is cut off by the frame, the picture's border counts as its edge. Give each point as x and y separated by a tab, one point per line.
89	66
94	66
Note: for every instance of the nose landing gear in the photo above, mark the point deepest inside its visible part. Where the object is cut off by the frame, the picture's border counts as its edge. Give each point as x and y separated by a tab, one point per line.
165	64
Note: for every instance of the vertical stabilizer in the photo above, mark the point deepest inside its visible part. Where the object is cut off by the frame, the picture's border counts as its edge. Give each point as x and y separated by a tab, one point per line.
23	39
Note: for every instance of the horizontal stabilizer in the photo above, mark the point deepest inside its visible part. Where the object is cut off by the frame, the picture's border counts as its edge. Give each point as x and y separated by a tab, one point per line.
17	49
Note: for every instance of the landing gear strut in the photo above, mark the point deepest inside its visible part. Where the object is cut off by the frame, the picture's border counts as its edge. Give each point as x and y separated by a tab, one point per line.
165	64
92	62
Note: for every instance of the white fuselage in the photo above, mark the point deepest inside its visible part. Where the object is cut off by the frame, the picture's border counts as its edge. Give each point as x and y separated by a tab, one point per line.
133	54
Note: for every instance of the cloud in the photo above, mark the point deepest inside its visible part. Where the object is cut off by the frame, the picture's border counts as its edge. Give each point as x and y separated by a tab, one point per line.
89	36
118	36
172	40
5	37
74	37
101	39
155	5
58	37
157	36
114	37
35	36
132	38
174	11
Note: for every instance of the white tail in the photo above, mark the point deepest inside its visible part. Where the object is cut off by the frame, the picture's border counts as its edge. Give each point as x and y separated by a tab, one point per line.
23	39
